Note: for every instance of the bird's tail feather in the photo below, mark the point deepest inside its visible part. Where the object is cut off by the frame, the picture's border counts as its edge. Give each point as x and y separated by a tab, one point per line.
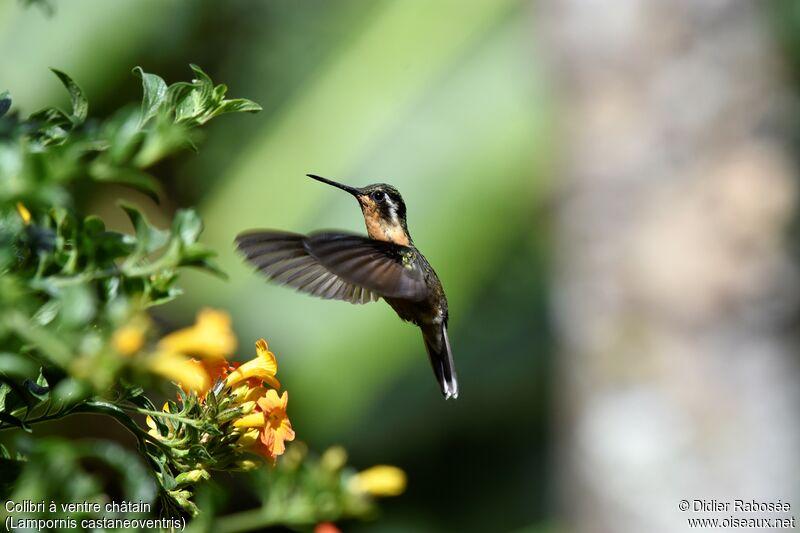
441	357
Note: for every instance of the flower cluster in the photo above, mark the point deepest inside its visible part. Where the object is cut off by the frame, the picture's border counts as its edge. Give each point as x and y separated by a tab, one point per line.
223	410
264	427
194	357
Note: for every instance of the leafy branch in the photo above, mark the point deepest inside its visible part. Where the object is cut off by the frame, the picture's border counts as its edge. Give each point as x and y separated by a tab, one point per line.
72	292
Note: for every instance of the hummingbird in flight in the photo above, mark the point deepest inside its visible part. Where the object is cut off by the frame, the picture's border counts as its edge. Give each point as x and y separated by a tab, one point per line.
359	270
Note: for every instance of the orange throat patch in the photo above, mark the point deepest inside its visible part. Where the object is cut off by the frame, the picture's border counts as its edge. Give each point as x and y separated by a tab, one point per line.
381	229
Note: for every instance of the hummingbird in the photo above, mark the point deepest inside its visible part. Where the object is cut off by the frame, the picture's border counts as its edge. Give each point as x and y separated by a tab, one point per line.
358	269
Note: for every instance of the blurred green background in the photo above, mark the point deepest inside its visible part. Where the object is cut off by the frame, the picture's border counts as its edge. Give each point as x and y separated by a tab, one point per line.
450	112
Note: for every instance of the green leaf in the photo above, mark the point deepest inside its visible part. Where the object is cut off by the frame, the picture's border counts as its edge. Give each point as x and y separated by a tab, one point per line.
50	116
69	393
148	237
200	101
91	229
238	105
50	126
4	390
77	305
48	343
163	138
112	245
80	105
124	135
155	92
46	313
132	177
198	255
16	366
171	294
93	226
177	91
203	82
61	217
187	225
189	107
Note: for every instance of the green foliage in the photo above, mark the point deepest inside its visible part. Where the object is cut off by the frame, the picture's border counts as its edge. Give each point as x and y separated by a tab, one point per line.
52	148
192	103
68	283
55	471
63	272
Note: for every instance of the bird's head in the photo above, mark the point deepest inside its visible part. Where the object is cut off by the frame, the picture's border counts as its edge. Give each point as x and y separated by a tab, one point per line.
383	208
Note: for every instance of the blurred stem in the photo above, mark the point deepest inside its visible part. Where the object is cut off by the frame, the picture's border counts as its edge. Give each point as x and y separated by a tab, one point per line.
65	281
278	509
128	269
48	343
164	414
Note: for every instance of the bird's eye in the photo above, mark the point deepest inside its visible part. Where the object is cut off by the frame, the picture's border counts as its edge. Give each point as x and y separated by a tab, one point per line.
378	196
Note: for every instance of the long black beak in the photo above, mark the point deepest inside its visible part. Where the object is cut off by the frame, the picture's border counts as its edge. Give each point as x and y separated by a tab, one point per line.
351	190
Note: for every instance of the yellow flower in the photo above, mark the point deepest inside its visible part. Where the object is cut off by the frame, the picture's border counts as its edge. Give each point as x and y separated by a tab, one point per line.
211	336
179	368
381	480
249	438
246	465
24	214
128	339
274	427
152	423
252	420
263	367
334	458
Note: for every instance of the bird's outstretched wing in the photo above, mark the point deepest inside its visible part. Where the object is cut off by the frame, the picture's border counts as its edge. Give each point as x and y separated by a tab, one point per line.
337	266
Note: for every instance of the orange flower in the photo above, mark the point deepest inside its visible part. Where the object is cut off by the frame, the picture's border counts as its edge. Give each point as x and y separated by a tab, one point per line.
217	368
278	429
273	424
